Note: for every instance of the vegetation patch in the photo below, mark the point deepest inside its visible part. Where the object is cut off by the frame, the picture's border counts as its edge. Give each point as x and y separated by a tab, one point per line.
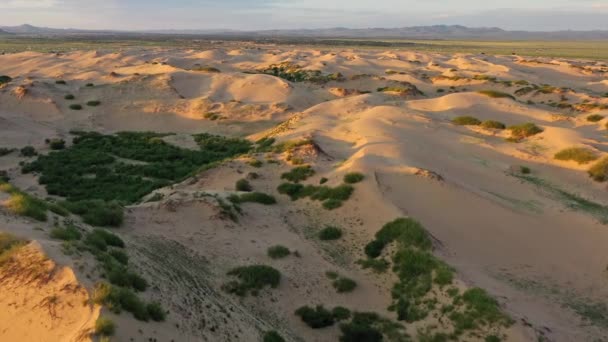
580	155
253	197
116	299
104	327
243	185
272	336
466	121
5	151
599	170
93	103
519	132
353	177
316	318
75	107
278	252
331	197
492	124
295	73
298	174
252	279
330	233
9	244
344	285
207	69
496	94
69	97
595	118
28	151
5	79
23	204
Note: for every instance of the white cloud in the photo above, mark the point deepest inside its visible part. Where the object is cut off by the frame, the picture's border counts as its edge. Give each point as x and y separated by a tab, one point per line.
16	4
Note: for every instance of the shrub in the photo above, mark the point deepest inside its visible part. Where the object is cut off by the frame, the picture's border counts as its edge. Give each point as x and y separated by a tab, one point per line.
28	151
4	151
353	332
93	103
340	313
89	85
243	185
599	170
23	204
69	97
278	252
525	170
343	285
156	312
331	197
255	197
491	124
377	265
5	79
580	155
97	212
100	239
496	94
104	327
57	144
206	69
524	130
255	163
595	118
466	121
76	107
332	204
316	318
330	233
60	82
8	245
353	177
323	180
298	174
119	256
272	336
68	233
252	279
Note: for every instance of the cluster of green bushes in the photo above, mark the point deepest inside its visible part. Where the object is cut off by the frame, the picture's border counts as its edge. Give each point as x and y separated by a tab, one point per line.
298	174
21	203
56	144
332	198
295	73
272	336
207	69
253	197
472	121
117	299
353	177
580	155
92	170
252	279
319	317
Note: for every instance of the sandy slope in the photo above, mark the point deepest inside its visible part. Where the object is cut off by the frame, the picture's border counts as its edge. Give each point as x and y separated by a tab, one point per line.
543	259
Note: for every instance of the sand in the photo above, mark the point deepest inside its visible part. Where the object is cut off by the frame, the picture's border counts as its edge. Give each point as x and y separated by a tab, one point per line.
540	255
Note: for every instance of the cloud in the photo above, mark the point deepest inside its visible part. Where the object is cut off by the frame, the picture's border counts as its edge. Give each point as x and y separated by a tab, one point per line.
18	4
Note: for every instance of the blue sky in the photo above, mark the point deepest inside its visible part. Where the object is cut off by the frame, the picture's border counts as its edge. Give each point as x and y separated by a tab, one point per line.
282	14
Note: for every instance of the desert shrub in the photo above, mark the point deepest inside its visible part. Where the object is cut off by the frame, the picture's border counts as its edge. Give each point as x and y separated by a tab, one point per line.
595	118
444	275
406	230
208	69
97	212
480	309
332	204
491	124
353	177
119	256
525	170
496	94
8	245
265	144
298	174
28	151
340	313
89	85
278	252
331	197
353	332
117	299
156	312
120	276
524	130
316	318
60	82
323	180
93	103
76	106
4	151
580	155
68	233
466	121
377	265
253	197
295	73
57	144
272	336
20	203
104	327
330	233
599	170
5	79
69	97
100	239
255	163
343	285
243	185
252	279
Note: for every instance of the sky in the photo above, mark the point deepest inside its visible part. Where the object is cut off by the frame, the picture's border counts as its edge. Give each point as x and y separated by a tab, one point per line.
532	15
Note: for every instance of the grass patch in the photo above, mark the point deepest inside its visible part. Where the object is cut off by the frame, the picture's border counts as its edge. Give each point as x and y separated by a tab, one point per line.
331	197
599	171
580	155
243	185
278	252
525	130
21	203
69	233
492	124
298	174
253	197
255	163
9	244
595	118
272	336
466	121
353	177
56	144
97	212
496	94
5	151
60	82
330	233
252	279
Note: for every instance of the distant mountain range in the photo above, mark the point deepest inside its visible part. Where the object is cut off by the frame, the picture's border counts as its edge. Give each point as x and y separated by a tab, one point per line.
415	32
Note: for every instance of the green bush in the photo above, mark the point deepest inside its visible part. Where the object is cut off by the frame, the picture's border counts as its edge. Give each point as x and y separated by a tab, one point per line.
97	212
69	233
243	185
595	118
28	151
353	177
100	239
20	203
5	151
330	233
331	197
343	285
524	130
206	69
525	170
60	82
5	79
580	155
104	327
93	103
353	332
491	124
278	252
255	163
57	144
75	107
272	336
466	121
298	174
69	97
377	265
117	299
599	170
332	204
316	318
406	230
340	313
8	245
253	197
323	180
496	94
156	312
252	279
119	256
89	85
